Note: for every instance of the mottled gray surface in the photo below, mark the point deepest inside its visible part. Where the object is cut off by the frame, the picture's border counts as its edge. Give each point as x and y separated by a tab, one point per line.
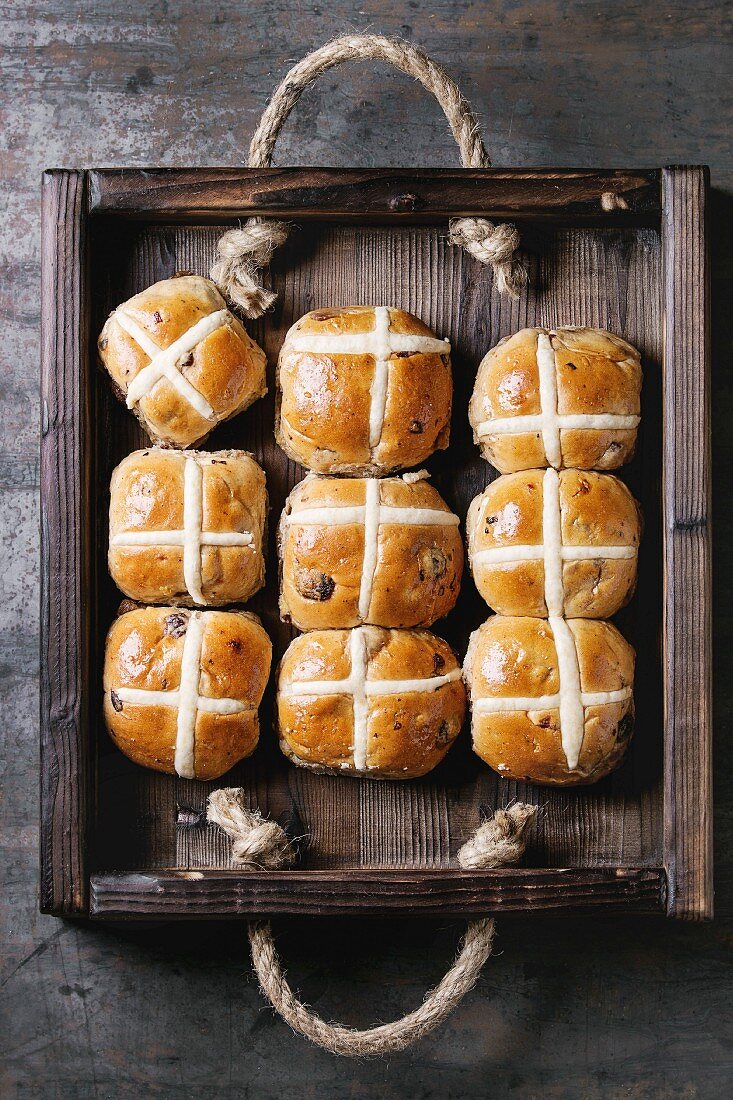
575	1008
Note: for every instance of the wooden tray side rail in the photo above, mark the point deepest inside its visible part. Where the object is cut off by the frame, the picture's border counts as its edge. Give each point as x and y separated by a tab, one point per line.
67	770
656	858
577	196
688	791
184	895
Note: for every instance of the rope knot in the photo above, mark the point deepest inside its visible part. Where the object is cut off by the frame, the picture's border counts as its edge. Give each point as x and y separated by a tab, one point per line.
500	841
495	245
242	253
257	843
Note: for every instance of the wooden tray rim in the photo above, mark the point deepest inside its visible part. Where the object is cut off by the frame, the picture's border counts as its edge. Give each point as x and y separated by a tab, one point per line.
676	200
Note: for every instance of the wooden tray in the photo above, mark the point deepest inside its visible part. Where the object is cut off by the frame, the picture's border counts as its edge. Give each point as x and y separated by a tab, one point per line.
120	842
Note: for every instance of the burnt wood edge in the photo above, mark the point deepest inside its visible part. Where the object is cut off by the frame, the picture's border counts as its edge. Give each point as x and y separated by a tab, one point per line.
66	769
182	895
687	621
389	194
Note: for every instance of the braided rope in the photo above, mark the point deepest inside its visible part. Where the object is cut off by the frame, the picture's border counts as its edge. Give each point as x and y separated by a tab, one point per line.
244	251
498	842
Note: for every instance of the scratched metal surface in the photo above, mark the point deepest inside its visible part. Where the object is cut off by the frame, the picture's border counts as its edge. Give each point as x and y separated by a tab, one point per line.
587	1007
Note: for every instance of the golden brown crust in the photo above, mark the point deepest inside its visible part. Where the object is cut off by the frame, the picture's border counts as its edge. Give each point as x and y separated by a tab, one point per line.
595	510
325	398
403	735
597	373
418	567
147	494
512	656
227	367
144	651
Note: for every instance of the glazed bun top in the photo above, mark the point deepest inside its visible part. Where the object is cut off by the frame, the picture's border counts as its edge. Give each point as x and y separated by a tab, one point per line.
362	550
372	702
566	397
181	360
187	527
182	688
543	542
363	390
552	700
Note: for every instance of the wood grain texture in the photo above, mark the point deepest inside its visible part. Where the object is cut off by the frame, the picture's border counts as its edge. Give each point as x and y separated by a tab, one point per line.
67	762
191	895
688	835
610	196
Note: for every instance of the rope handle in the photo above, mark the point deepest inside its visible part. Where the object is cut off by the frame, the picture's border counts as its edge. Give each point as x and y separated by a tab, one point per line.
403	55
262	844
244	251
